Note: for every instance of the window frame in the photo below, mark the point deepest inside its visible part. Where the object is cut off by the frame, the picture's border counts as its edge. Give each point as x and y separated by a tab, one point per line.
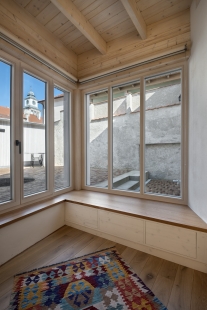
64	88
37	70
141	75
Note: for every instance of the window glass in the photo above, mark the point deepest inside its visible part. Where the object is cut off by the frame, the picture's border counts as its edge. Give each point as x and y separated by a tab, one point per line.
126	137
97	139
5	132
34	134
163	98
61	139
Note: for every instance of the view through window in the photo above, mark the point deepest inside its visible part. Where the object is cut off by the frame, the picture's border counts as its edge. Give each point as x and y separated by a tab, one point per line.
161	135
97	139
126	137
34	135
163	99
61	139
5	132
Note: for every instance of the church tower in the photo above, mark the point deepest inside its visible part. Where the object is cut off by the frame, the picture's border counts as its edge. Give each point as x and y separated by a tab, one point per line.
31	105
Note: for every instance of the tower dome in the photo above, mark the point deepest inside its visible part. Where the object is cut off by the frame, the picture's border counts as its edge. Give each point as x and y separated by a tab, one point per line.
31	105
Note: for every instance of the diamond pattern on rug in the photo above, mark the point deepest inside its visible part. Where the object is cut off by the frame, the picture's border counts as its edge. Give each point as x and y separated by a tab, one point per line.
100	280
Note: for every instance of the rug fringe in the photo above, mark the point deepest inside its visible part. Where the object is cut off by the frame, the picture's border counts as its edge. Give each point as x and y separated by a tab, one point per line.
69	260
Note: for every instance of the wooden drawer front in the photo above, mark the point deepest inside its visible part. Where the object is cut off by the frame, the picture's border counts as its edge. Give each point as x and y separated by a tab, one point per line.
171	238
122	226
81	215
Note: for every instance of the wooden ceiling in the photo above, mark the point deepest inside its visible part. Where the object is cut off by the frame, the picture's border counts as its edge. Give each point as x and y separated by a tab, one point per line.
87	37
108	17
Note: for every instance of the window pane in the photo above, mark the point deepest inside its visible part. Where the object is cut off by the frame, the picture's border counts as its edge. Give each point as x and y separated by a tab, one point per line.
126	137
163	134
34	130
5	133
61	137
97	139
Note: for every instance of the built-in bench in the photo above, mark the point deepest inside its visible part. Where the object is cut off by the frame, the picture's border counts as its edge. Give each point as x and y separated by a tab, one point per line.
170	231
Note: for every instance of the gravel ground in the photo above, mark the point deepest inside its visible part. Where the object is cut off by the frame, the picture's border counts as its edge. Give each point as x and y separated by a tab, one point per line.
164	187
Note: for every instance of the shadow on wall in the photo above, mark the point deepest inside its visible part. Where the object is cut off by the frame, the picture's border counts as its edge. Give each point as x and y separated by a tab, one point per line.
162	136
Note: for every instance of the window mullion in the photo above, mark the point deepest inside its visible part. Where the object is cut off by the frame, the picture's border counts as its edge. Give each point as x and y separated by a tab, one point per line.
142	135
110	138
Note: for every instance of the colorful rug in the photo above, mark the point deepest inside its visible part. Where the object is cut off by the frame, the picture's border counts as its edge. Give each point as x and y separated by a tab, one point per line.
101	280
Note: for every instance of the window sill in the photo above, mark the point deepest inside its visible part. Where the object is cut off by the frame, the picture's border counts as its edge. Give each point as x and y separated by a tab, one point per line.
162	212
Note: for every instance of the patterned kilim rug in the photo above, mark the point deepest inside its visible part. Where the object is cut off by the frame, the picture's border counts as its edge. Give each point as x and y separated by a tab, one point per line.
101	280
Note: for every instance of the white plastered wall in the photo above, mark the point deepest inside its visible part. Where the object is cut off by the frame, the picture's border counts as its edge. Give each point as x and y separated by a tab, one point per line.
22	234
198	110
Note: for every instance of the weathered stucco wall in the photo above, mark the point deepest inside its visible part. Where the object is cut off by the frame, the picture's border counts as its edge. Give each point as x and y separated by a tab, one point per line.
163	137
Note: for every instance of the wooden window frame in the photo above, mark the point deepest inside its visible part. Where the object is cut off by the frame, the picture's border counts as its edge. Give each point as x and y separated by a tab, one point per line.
141	75
53	80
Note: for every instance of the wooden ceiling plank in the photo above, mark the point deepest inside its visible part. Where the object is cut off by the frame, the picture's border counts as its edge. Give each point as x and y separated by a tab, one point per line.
106	14
27	29
97	7
170	11
118	31
36	6
136	17
84	48
168	28
113	22
71	36
77	42
81	5
64	30
143	4
47	14
23	3
78	19
158	7
55	23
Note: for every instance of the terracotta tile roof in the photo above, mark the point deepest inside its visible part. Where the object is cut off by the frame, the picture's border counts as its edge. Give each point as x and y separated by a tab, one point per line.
33	119
4	112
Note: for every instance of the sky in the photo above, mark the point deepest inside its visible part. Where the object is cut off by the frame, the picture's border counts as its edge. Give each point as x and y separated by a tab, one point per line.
29	83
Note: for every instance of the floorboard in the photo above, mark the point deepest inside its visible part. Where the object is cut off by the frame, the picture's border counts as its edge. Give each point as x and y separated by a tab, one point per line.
199	292
178	287
182	289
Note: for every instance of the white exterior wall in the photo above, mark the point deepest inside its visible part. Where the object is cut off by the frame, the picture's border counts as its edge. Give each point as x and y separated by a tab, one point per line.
198	110
34	138
5	142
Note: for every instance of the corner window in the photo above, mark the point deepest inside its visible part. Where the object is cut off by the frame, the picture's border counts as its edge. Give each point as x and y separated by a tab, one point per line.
144	128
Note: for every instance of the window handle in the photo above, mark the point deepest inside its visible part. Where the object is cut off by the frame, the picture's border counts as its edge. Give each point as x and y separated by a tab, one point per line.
18	143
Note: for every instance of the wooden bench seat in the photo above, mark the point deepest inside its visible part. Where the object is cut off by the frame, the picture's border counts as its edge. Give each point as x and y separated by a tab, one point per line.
167	213
170	231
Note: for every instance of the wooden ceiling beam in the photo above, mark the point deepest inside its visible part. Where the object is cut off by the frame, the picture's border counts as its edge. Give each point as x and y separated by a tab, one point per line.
81	23
136	17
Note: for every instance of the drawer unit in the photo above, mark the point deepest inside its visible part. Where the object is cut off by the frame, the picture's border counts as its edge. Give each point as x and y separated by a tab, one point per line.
122	226
81	215
171	238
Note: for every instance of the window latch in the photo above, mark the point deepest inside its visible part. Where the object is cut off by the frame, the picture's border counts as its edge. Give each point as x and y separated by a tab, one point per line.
18	143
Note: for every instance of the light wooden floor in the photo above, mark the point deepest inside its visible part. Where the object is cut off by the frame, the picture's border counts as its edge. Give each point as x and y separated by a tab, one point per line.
176	286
